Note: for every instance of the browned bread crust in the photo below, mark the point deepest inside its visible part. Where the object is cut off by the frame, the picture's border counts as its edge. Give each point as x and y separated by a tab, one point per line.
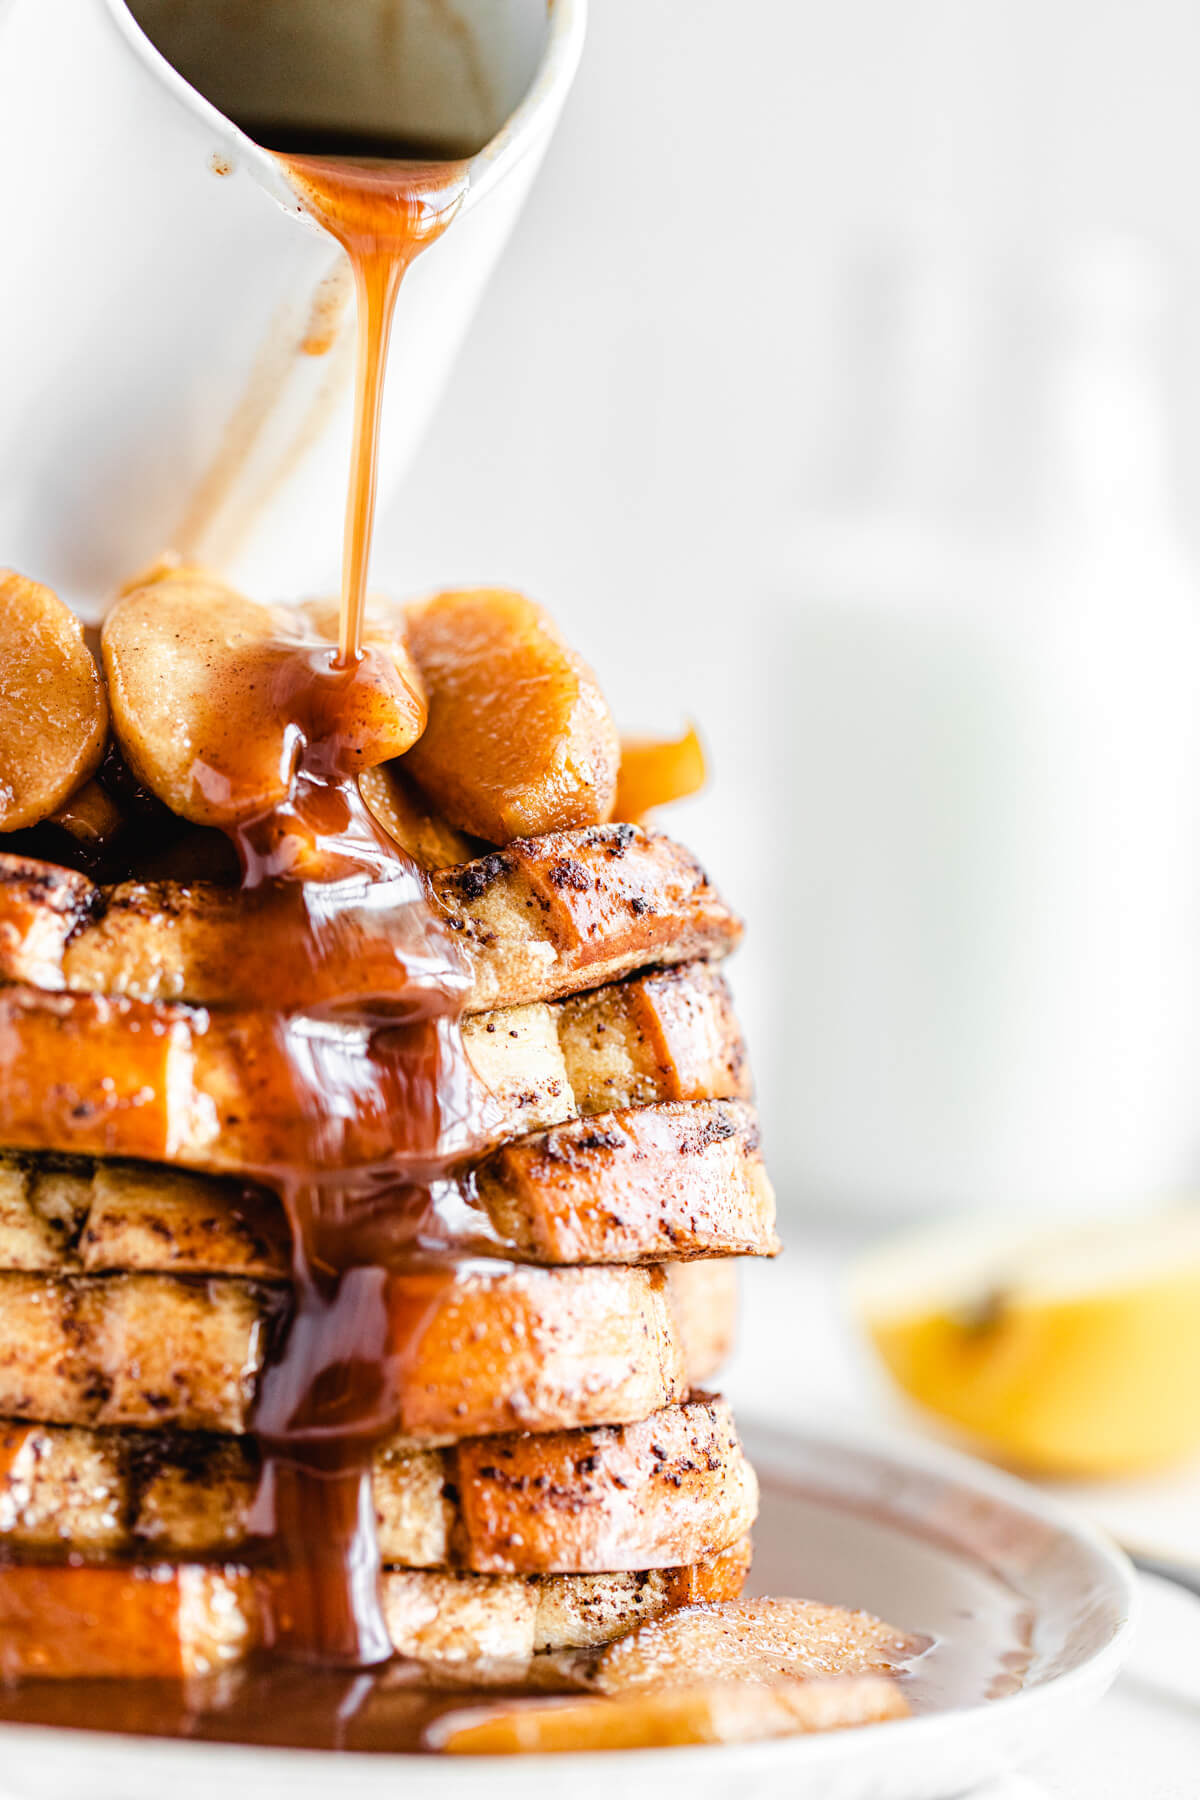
663	1035
642	1184
674	1181
89	1075
666	1034
78	1216
192	1618
557	914
540	919
671	1489
503	1348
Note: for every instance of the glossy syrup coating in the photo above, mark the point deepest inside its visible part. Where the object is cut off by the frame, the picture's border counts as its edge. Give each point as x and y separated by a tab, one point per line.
216	699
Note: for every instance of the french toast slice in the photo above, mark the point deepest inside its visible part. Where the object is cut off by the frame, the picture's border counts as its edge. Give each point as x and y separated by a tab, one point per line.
554	915
79	1216
715	1712
760	1641
686	1182
543	918
676	1180
169	1082
674	1488
161	1082
665	1034
197	941
502	1348
164	1619
93	1076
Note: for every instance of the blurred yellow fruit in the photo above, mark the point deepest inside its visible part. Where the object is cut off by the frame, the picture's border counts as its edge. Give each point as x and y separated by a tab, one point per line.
1067	1351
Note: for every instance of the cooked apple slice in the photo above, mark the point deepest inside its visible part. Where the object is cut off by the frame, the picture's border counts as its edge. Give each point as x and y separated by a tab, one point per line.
519	739
655	771
216	699
91	816
53	714
394	802
762	1641
706	1713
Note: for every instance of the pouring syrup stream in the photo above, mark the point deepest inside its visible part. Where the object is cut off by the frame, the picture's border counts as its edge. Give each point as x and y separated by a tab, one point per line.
365	1277
384	214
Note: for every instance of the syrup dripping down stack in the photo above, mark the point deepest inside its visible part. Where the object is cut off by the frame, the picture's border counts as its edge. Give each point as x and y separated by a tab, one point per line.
545	1465
375	1141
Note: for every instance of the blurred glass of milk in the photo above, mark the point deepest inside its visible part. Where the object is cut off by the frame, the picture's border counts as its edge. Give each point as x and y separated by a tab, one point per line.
984	723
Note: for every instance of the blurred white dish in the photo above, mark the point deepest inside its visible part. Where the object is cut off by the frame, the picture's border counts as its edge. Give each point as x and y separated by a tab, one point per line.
1029	1609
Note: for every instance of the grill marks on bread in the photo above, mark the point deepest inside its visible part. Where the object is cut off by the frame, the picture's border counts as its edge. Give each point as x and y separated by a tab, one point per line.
675	1181
503	1348
682	1182
622	1114
170	1619
671	1489
541	919
571	910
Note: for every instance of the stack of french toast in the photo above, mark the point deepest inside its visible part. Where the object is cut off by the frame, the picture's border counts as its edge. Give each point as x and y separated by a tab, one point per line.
562	1501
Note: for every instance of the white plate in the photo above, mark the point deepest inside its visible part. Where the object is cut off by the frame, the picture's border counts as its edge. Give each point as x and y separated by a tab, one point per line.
1029	1611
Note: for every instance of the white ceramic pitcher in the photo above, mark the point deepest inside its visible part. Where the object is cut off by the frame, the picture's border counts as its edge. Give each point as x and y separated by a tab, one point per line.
176	335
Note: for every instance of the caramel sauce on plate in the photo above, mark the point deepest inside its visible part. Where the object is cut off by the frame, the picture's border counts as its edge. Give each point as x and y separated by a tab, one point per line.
268	1702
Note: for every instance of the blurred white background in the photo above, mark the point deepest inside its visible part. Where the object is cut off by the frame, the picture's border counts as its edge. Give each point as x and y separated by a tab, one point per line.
689	370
